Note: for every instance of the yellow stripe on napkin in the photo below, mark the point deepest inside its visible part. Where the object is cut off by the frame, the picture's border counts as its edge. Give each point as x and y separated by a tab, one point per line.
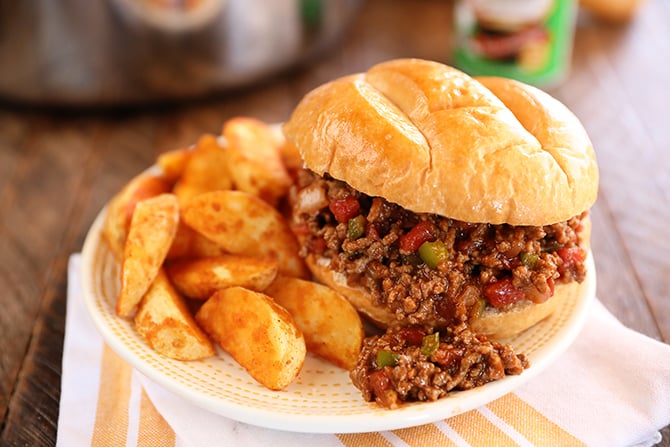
153	430
530	423
372	439
478	431
506	422
425	436
111	417
113	409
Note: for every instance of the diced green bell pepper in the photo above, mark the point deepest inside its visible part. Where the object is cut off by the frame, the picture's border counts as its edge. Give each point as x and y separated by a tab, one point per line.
387	358
432	253
430	344
356	227
530	260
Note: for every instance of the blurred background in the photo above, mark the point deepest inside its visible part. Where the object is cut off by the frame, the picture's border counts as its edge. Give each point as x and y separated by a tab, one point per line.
133	52
110	52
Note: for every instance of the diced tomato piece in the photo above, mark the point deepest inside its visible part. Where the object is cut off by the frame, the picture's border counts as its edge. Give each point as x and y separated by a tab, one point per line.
571	257
445	307
536	296
345	209
413	336
317	245
422	232
379	382
300	229
448	358
372	232
502	292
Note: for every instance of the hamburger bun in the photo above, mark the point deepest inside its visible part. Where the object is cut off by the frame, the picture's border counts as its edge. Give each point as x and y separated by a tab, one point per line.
434	140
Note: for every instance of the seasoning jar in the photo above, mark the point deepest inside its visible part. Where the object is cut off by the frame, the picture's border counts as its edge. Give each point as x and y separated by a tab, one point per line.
527	40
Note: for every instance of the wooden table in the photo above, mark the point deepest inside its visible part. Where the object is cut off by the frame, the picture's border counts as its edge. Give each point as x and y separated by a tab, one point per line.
57	169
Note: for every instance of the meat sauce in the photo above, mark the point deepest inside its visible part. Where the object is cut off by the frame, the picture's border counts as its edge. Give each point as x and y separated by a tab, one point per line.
434	274
419	364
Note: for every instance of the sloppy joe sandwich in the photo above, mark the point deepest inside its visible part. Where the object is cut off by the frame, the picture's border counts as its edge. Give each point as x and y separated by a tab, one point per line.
451	211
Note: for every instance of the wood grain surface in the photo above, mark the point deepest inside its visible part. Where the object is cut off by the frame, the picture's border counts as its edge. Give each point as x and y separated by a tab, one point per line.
59	167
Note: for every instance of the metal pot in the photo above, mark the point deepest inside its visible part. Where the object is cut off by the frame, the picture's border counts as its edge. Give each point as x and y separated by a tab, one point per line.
110	52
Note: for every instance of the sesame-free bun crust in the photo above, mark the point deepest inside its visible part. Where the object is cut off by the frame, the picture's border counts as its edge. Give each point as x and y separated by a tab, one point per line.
434	140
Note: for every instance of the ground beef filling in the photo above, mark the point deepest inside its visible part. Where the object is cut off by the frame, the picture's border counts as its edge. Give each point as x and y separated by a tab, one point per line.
432	271
418	364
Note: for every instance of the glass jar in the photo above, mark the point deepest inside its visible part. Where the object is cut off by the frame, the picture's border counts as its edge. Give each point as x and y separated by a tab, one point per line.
527	40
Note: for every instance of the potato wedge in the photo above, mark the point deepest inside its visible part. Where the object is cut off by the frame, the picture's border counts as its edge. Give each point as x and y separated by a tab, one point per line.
247	225
206	170
254	152
290	156
331	326
120	209
173	163
150	236
200	278
258	333
188	243
165	321
186	191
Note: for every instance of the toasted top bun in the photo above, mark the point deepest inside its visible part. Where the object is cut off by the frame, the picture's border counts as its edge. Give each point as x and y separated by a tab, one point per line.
434	140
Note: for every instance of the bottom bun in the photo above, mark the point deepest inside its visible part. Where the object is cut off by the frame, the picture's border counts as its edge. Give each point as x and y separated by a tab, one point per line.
359	297
494	323
497	324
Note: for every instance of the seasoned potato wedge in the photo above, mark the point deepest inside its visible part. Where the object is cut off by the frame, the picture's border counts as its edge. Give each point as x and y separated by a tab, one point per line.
173	163
200	278
244	224
121	207
290	156
331	326
205	170
254	151
258	333
150	236
166	322
207	258
188	243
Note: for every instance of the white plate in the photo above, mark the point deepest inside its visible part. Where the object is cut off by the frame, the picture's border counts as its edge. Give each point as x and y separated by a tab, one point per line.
322	399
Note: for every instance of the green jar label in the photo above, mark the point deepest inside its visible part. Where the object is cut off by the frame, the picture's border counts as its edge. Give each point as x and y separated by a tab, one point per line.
527	40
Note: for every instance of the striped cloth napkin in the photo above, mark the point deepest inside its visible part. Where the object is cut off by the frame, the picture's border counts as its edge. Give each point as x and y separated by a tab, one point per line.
611	388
